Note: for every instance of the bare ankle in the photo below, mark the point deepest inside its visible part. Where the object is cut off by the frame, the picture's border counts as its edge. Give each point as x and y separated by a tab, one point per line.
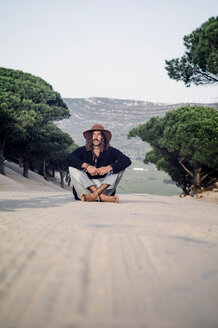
89	197
109	199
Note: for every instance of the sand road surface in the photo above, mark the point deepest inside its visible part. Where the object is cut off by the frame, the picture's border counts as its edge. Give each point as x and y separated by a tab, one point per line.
149	261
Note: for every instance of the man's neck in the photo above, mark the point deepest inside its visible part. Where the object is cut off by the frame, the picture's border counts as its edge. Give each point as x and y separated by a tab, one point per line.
96	150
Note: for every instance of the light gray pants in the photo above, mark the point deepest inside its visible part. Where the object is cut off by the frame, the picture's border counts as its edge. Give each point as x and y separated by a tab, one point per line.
82	182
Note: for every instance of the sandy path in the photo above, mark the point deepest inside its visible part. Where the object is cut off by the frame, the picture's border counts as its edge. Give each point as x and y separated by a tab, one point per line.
150	261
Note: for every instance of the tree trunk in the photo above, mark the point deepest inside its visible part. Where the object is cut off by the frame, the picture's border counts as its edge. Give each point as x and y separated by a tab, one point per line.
2	167
2	148
43	168
196	186
20	162
62	178
25	168
53	173
197	178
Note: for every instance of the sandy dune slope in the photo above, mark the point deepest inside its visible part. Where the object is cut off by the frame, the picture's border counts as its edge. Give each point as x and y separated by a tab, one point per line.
13	180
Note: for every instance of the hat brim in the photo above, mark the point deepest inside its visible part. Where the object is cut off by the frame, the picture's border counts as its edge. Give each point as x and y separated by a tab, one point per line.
107	133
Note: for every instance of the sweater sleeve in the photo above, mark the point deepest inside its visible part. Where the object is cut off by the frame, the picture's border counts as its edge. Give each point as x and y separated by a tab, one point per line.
120	161
75	159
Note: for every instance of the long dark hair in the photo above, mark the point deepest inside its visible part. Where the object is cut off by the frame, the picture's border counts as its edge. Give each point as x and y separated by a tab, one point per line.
103	146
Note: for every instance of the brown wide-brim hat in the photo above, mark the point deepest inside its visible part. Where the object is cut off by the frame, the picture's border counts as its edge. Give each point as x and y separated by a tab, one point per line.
98	127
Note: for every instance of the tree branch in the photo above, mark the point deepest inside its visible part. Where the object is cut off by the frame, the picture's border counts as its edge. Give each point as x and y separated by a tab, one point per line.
185	168
206	175
210	182
206	75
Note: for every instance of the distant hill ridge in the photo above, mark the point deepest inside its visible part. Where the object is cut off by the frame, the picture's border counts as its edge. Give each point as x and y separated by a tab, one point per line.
117	115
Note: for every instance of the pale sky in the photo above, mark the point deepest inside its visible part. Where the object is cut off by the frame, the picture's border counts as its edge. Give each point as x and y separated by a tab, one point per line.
97	48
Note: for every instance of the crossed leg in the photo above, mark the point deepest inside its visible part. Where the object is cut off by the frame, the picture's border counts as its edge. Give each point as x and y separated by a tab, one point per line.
96	189
97	194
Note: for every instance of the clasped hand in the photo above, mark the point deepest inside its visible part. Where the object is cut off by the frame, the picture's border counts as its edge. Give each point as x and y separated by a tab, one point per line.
98	171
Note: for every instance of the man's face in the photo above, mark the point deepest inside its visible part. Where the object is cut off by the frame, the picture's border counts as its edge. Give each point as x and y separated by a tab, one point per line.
96	138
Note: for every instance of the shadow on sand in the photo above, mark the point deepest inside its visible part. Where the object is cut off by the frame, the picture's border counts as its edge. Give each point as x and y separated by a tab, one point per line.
11	205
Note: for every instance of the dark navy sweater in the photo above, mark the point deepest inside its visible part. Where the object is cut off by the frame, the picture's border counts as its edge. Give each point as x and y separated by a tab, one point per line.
113	157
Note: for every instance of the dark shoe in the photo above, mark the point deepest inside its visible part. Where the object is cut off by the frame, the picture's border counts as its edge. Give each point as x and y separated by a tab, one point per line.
75	194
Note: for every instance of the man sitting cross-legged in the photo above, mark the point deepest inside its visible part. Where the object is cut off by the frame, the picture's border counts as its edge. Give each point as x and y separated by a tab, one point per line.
97	168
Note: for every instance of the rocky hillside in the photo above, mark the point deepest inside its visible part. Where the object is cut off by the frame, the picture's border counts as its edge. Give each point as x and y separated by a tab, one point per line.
117	115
